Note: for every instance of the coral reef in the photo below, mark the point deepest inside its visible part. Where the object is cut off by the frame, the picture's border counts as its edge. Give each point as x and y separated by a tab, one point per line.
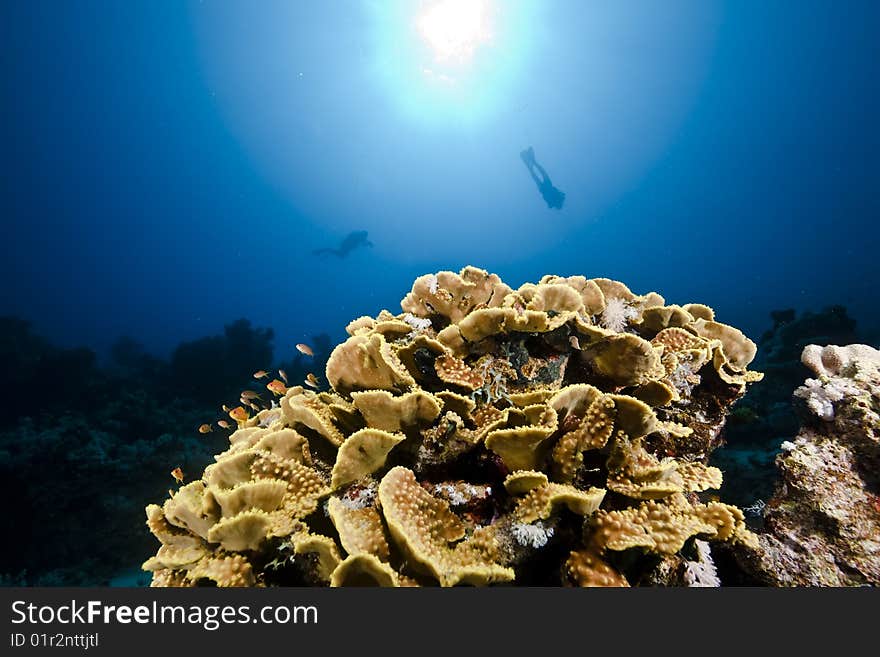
107	427
822	526
230	358
30	361
553	434
780	359
764	418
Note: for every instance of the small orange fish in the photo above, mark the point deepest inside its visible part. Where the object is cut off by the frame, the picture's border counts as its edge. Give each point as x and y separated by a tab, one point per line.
573	341
239	414
283	376
177	473
261	374
311	380
305	349
253	406
206	428
249	394
225	408
224	424
276	387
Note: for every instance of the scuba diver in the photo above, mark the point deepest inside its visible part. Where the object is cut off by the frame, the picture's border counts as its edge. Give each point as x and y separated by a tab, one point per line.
352	241
552	196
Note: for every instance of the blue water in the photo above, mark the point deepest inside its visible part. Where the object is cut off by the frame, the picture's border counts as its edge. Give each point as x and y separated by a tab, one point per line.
169	168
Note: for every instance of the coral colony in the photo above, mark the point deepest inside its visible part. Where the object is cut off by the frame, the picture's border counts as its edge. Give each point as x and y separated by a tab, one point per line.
823	522
553	434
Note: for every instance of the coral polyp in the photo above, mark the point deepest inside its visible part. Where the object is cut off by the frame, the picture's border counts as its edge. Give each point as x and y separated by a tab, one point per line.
553	434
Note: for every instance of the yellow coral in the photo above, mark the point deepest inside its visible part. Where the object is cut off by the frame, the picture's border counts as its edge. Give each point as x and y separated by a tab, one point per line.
382	410
360	530
592	298
179	548
556	297
362	453
656	393
664	526
425	529
262	494
308	410
657	318
452	295
503	411
363	570
592	431
541	502
322	549
225	571
700	311
613	289
522	481
738	350
366	363
454	371
520	447
628	360
586	568
458	404
245	531
678	339
287	444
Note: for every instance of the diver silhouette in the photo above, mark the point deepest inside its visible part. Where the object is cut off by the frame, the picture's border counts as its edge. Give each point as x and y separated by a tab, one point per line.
351	241
552	196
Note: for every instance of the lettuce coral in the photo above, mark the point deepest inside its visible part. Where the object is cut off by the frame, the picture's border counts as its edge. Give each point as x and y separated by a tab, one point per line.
552	434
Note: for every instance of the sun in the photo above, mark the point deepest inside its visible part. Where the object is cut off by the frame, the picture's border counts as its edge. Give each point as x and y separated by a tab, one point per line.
455	29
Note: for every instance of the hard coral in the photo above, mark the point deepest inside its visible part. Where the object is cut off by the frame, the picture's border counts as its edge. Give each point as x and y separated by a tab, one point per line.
552	434
822	525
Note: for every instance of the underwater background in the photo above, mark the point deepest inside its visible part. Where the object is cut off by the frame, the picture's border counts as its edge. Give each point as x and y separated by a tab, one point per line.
186	188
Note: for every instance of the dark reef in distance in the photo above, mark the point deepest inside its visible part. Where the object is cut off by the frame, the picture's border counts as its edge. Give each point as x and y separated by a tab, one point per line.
87	446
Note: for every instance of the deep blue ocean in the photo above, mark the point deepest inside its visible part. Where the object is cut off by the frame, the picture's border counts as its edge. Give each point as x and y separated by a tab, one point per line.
170	169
